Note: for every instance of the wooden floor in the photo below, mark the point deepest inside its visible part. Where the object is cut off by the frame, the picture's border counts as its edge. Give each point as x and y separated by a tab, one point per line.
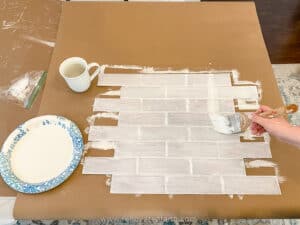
280	23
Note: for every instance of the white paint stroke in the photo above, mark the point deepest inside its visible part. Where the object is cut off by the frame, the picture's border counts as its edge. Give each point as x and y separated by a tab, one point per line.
103	145
112	93
264	163
260	163
235	77
6	25
151	69
40	41
91	119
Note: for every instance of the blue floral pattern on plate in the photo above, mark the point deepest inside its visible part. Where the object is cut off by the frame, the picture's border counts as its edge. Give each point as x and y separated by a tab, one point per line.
10	143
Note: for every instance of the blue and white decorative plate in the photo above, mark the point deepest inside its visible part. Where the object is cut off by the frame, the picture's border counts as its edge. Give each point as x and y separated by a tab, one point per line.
40	154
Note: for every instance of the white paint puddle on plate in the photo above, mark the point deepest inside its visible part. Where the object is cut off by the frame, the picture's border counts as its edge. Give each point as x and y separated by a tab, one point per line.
42	154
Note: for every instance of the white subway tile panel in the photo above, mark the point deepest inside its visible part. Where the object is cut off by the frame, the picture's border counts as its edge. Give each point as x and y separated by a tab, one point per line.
163	79
112	133
187	92
163	166
245	150
218	167
137	184
117	105
256	185
140	149
218	79
209	134
188	119
201	106
142	92
193	149
164	133
119	80
164	105
127	118
109	165
165	143
194	185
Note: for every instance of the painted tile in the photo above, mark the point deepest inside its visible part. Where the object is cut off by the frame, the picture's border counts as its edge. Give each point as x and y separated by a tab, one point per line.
163	166
188	119
164	105
164	133
219	79
127	118
247	104
218	167
117	105
119	80
140	149
142	92
194	185
187	92
209	134
237	92
137	184
163	79
245	150
193	149
109	165
260	185
112	133
201	106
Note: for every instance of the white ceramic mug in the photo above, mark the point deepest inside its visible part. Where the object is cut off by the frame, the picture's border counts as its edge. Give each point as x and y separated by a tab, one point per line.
75	71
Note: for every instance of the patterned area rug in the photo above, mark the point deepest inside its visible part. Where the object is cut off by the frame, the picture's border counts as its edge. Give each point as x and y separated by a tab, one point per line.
288	79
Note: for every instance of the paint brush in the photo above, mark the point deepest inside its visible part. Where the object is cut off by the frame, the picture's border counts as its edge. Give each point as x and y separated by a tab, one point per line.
239	122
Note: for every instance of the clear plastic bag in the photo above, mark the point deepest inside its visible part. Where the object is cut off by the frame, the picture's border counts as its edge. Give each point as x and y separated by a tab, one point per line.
23	90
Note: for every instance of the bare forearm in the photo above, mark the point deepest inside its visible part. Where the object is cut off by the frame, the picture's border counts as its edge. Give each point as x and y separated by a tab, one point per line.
291	135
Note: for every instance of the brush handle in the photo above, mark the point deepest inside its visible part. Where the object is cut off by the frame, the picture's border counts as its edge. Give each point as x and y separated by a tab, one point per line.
281	111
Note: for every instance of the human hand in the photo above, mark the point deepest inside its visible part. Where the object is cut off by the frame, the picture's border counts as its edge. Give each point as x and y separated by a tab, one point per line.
278	126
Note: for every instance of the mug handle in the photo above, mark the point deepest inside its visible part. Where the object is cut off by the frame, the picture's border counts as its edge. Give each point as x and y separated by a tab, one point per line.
97	71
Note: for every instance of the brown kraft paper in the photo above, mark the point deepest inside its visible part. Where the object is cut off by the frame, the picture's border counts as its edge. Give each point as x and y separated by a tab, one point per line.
198	36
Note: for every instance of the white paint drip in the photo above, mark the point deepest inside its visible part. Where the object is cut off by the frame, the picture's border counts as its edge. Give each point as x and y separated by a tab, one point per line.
87	130
108	182
103	145
112	93
40	41
264	163
241	197
91	119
